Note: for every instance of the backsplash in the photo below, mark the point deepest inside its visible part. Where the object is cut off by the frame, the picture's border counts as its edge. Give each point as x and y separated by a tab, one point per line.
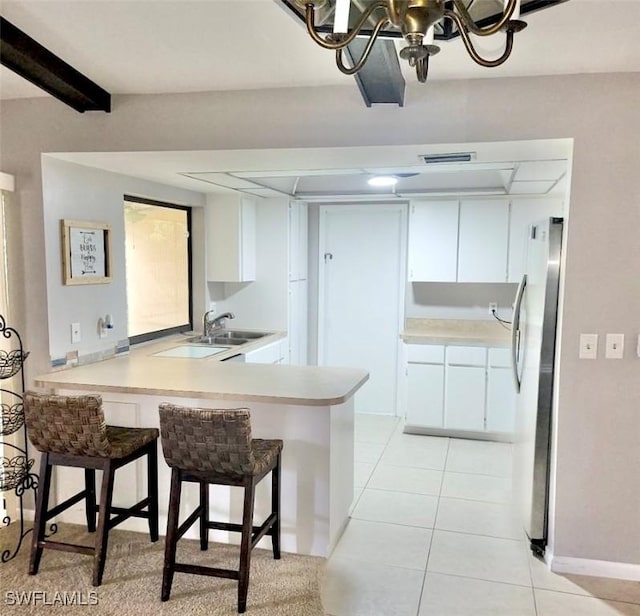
455	300
73	358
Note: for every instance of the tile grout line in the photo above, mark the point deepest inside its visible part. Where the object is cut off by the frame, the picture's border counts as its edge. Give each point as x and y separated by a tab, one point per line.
433	530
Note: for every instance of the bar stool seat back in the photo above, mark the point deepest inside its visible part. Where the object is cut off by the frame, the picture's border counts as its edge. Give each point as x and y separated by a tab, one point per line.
71	431
214	446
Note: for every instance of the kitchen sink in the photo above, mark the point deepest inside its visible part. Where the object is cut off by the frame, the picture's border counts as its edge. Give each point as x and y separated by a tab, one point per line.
235	333
227	341
228	337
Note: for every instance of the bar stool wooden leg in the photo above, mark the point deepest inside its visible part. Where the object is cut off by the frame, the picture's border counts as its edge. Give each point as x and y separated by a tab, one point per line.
40	520
171	539
90	499
204	515
275	508
152	489
245	545
102	536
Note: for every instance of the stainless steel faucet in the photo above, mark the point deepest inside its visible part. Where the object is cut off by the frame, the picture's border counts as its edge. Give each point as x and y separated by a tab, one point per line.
208	327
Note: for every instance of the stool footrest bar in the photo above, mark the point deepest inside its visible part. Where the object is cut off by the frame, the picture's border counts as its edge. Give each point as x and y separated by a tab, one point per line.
131	512
230	574
188	523
66	504
263	530
67	547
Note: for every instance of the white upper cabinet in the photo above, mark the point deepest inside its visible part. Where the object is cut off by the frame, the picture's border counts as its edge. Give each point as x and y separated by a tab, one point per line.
231	238
524	213
483	241
298	240
433	241
473	240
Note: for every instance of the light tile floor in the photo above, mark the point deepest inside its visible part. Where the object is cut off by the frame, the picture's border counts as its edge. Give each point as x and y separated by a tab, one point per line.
433	534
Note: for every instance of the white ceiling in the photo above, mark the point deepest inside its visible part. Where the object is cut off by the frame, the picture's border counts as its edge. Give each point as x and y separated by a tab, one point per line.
154	46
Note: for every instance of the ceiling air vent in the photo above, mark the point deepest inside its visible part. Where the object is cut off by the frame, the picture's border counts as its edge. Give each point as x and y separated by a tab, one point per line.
457	157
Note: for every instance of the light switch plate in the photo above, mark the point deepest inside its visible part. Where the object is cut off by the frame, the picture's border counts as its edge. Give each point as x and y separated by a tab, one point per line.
615	346
75	333
588	346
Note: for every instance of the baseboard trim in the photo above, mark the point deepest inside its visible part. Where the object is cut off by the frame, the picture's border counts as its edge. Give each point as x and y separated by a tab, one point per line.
596	568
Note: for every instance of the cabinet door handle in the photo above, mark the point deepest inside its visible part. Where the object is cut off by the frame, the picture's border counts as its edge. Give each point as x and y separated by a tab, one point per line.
328	256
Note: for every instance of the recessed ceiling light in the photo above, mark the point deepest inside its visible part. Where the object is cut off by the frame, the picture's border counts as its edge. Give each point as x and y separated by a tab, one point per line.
382	180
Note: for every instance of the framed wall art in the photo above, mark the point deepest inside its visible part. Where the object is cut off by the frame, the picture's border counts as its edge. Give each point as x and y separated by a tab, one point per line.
86	252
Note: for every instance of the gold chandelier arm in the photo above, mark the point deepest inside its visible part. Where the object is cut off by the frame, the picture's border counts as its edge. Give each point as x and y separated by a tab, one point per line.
471	24
397	9
349	38
365	54
471	49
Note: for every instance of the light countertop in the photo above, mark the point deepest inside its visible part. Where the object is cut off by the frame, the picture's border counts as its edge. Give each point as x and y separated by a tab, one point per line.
140	372
456	331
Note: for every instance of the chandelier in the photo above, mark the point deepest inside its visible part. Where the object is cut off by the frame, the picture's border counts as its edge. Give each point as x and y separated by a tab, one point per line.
416	21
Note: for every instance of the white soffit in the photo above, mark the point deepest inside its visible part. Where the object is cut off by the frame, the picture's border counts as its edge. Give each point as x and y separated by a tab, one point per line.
286	185
288	173
221	179
531	188
265	192
540	170
271	168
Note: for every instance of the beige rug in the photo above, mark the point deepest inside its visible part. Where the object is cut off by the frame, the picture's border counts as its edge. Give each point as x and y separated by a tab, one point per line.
133	577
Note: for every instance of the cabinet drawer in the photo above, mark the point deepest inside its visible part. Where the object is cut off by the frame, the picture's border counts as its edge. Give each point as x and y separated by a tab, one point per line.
500	357
425	353
467	356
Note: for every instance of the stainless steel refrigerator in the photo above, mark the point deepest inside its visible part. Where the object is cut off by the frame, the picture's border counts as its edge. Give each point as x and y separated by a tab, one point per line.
533	346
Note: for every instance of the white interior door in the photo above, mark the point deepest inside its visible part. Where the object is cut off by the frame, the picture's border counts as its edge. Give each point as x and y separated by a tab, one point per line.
361	295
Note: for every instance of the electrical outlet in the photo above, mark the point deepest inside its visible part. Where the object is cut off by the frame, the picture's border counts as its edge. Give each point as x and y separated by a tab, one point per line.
493	307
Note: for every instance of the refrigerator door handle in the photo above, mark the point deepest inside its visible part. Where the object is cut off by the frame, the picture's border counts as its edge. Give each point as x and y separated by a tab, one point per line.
515	331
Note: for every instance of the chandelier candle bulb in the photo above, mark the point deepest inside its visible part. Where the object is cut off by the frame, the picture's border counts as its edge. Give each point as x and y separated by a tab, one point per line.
341	20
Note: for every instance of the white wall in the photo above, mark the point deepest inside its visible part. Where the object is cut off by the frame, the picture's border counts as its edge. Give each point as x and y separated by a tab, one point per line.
598	501
77	192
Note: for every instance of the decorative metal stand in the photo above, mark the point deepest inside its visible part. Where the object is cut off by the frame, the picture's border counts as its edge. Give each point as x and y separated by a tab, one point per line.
15	464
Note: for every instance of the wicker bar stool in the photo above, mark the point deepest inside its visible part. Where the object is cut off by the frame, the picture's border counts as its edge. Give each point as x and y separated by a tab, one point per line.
71	431
208	446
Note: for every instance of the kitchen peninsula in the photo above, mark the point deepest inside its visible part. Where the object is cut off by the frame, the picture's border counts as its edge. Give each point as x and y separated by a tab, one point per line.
309	407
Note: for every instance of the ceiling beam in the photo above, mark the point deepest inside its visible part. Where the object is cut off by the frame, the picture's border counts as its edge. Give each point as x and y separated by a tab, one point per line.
29	59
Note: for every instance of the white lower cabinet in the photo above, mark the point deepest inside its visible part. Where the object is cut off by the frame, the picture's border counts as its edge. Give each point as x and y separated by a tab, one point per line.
464	409
425	395
273	353
458	388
